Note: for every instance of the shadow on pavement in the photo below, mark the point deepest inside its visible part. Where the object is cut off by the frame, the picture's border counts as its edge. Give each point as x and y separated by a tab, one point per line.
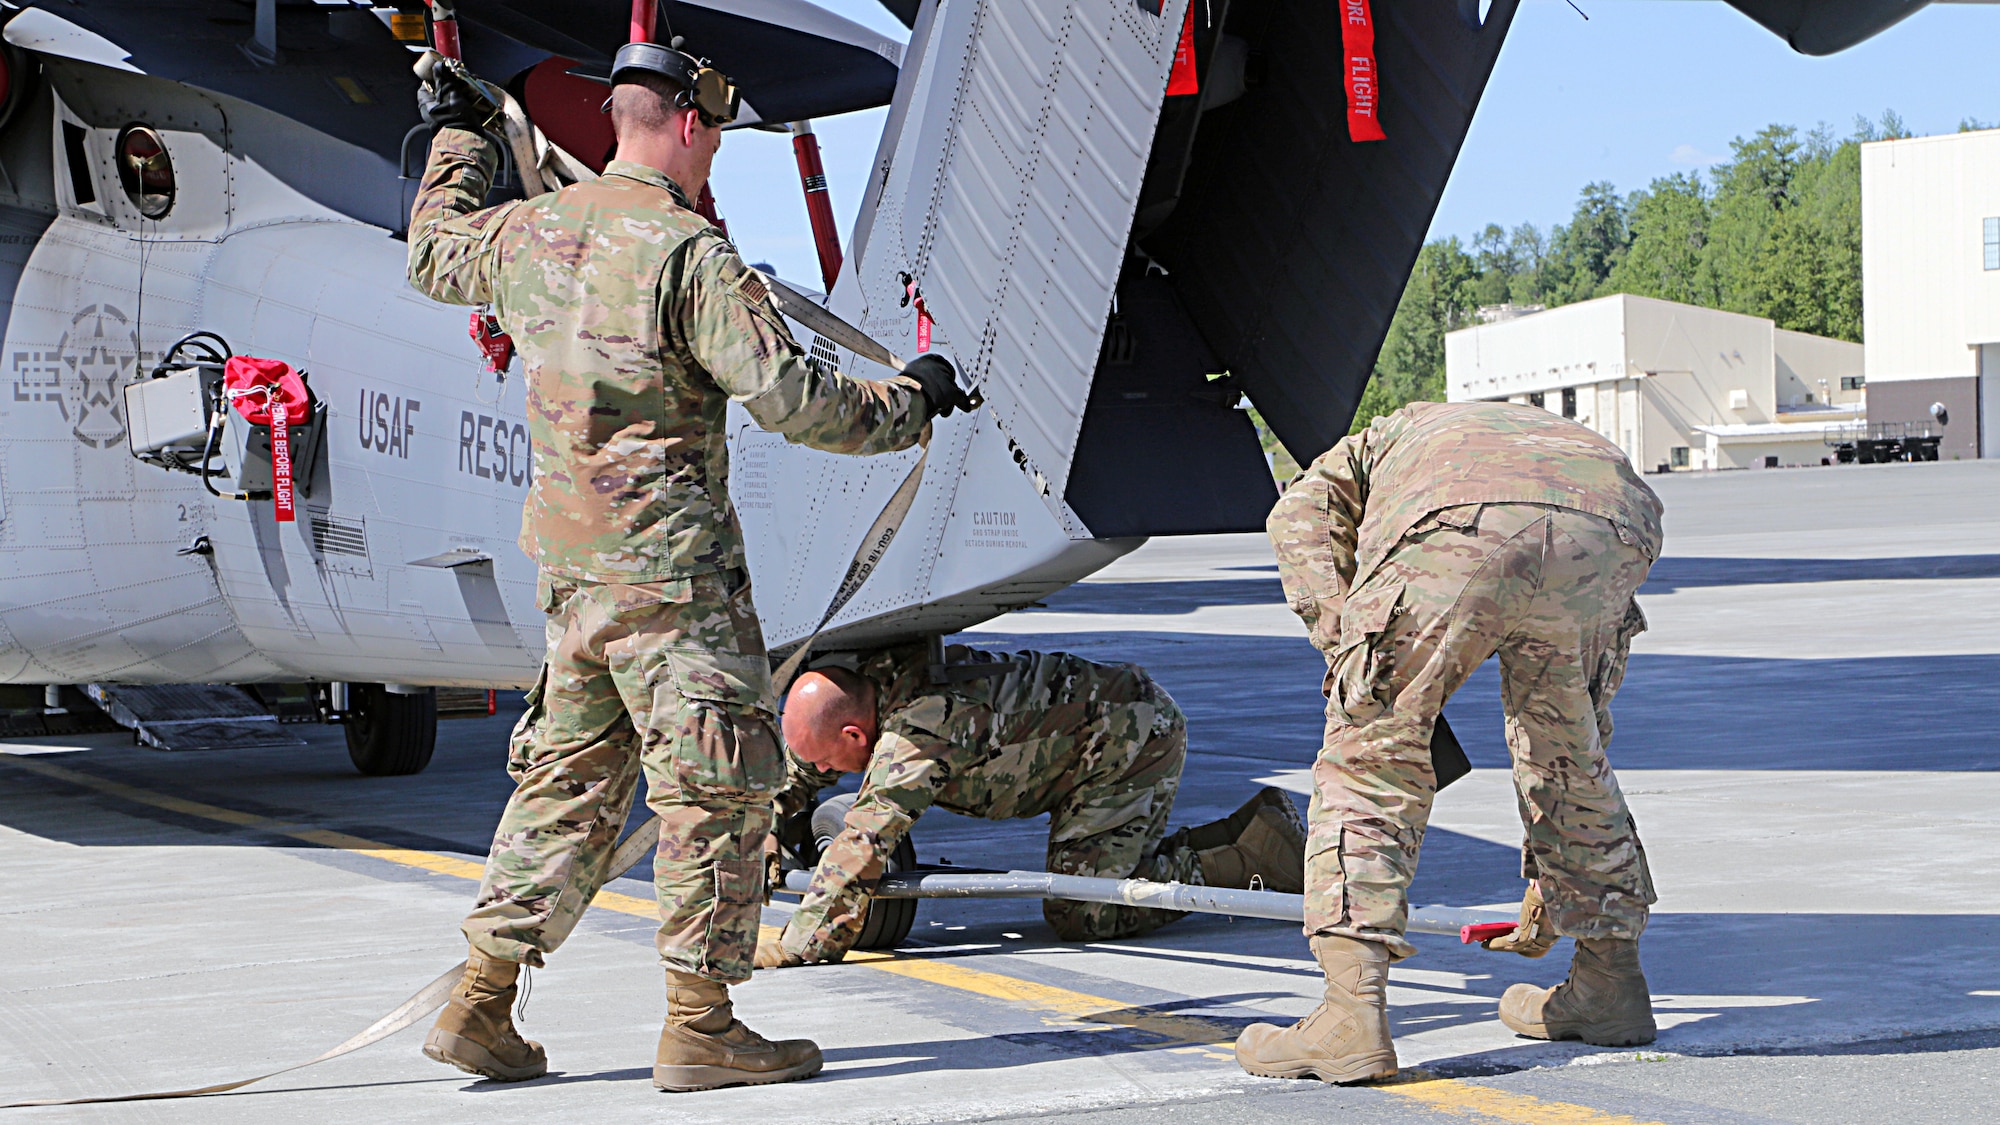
1257	699
1668	575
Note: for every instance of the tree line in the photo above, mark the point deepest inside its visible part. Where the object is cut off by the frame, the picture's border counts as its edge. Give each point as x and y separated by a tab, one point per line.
1774	231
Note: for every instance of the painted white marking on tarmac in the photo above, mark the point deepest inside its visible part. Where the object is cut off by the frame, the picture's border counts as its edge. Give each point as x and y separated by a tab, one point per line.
1677	1001
29	749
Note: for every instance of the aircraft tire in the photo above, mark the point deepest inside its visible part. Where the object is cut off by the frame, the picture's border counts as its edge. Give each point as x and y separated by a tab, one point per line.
888	920
390	735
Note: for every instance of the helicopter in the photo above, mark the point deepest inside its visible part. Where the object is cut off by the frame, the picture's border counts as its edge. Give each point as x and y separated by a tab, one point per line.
1126	220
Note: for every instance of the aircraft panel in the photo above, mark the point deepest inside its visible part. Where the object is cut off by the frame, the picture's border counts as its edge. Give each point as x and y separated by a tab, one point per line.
1006	182
426	453
1289	244
1033	203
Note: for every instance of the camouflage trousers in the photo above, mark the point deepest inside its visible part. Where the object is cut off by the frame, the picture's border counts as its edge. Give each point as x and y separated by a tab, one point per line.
1551	591
668	679
1111	824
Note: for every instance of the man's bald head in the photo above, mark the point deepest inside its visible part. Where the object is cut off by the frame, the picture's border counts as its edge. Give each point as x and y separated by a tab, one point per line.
830	719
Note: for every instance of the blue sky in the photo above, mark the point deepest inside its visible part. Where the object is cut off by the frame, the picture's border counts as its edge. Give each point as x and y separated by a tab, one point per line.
1641	89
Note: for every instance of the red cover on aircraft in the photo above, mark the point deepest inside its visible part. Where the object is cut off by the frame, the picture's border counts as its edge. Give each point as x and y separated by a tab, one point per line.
1364	88
1182	78
243	373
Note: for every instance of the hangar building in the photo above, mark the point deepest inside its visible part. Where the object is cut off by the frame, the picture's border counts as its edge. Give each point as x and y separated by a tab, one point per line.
1675	386
1930	284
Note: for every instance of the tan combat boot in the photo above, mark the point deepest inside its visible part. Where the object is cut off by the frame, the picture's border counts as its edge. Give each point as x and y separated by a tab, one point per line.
1346	1038
1216	833
704	1046
1534	935
475	1032
1604	1002
1265	839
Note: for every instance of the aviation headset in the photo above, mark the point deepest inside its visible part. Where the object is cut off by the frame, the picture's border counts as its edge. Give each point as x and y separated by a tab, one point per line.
703	88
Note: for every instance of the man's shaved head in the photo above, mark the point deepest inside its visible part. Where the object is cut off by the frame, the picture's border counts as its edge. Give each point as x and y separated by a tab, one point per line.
830	719
644	102
653	131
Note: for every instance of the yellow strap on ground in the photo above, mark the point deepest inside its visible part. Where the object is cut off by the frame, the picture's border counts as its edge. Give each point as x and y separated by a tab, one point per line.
1210	1037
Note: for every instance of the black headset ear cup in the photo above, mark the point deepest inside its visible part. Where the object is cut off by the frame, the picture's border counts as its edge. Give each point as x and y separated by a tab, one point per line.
703	88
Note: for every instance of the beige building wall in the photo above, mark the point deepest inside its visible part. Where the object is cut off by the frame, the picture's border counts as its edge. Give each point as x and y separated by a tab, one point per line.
1572	346
1813	369
1931	307
1645	373
1725	353
1927	298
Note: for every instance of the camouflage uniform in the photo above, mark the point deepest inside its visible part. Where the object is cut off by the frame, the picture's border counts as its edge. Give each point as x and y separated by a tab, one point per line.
1413	551
636	323
1099	747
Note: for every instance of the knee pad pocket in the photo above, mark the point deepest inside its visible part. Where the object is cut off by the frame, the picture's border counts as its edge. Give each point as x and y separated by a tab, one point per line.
1357	678
722	743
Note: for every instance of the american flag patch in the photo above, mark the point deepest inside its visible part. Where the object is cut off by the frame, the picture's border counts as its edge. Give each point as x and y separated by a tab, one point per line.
752	287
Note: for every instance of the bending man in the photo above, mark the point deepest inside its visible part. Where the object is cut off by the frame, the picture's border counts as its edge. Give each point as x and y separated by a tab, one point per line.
637	324
1099	747
1414	550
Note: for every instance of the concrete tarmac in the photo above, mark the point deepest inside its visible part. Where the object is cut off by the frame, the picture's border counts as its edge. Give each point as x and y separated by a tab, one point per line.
1809	736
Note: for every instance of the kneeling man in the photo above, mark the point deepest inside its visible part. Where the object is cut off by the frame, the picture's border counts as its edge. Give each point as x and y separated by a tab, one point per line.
1099	747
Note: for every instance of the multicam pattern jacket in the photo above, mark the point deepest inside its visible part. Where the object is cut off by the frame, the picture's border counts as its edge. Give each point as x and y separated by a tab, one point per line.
1000	747
1339	518
636	323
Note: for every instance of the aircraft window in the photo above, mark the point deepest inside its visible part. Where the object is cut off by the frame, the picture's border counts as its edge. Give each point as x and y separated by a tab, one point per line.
146	171
79	164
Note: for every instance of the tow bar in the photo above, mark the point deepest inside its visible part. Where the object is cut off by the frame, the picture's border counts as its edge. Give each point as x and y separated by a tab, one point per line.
1466	924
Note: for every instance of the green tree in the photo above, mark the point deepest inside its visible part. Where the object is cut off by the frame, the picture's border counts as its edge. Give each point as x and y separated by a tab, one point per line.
1891	128
1750	192
1529	251
1667	254
1439	297
1493	257
1583	252
1808	275
1777	233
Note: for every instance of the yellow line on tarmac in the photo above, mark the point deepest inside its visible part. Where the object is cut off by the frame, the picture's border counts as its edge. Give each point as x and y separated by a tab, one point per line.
429	861
1184	1034
1190	1031
327	838
1465	1099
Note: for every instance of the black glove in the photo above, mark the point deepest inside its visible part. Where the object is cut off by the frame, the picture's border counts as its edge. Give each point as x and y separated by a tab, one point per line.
451	98
934	374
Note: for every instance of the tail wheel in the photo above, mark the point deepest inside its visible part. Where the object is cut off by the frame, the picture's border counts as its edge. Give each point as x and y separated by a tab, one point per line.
888	920
389	735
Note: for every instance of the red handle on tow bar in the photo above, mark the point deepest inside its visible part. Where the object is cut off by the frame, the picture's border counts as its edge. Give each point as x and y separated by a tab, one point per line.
1485	931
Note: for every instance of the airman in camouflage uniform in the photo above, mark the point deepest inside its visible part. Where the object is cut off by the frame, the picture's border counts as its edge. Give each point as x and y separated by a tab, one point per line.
1098	747
636	323
1442	534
